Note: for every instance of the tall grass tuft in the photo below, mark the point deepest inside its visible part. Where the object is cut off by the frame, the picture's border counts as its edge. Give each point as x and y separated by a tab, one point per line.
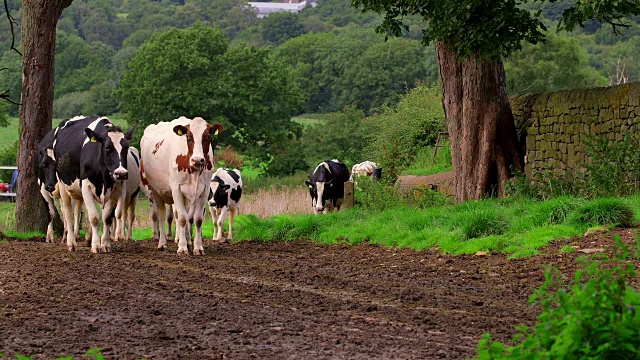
608	211
480	222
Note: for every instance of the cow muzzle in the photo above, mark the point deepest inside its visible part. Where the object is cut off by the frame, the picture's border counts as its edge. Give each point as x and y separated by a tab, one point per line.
50	188
120	175
197	162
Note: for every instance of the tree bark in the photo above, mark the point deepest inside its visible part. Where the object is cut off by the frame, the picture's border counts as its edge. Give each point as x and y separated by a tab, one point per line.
482	133
39	20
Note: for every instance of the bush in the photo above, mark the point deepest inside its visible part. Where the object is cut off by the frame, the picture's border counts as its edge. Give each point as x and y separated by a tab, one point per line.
70	105
379	195
481	222
594	317
604	212
615	166
399	132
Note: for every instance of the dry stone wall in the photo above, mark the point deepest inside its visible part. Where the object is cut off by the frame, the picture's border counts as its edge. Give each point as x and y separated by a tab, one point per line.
553	128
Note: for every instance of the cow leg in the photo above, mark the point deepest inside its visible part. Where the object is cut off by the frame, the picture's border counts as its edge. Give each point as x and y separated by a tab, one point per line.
92	211
232	215
198	247
154	219
77	217
51	209
181	219
108	218
214	215
220	222
162	214
131	218
175	216
169	221
65	200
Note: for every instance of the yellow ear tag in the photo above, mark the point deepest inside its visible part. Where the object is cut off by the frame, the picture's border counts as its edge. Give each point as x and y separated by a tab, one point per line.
310	187
216	133
180	132
93	139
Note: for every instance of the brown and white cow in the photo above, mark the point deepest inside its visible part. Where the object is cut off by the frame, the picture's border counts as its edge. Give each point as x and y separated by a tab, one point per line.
177	159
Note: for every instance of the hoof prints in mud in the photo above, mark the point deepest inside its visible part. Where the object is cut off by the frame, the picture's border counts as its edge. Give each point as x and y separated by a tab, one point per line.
284	300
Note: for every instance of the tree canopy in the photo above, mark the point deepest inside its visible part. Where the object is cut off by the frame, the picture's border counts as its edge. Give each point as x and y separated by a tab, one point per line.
194	72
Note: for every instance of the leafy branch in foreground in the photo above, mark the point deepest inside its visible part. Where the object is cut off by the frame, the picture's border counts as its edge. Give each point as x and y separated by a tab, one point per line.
595	317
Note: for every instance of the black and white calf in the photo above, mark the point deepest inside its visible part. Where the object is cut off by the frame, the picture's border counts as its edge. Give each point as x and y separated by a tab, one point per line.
127	208
326	185
91	164
226	190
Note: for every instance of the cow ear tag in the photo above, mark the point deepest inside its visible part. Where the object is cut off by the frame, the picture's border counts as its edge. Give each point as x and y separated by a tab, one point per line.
310	187
216	133
180	132
93	139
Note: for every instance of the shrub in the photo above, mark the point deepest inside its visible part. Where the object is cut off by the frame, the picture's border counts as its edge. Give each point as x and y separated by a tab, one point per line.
379	195
594	317
70	105
404	129
614	169
481	222
604	212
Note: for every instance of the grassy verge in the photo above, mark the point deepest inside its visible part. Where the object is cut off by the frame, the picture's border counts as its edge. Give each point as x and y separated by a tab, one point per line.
515	226
425	164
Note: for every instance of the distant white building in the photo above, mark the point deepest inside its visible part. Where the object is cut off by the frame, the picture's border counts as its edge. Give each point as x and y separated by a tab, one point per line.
293	6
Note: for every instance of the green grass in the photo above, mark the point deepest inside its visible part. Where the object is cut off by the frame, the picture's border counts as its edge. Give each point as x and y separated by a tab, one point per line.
518	227
309	119
425	165
9	134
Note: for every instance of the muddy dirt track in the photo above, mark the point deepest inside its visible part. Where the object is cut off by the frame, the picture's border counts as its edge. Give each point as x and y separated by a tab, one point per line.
267	301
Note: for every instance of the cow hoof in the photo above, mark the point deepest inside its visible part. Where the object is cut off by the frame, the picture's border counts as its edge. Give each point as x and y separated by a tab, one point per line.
198	252
105	249
183	251
71	248
162	248
95	250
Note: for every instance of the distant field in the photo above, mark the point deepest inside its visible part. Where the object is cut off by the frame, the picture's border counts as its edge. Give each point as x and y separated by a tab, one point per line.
9	134
309	119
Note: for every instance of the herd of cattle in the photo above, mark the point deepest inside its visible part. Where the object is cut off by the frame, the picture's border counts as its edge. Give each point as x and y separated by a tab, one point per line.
88	160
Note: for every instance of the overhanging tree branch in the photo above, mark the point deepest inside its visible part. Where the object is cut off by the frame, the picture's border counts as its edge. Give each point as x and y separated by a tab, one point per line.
12	22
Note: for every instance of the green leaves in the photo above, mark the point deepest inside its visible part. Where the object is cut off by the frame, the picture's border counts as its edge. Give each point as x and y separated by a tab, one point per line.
193	72
489	29
592	317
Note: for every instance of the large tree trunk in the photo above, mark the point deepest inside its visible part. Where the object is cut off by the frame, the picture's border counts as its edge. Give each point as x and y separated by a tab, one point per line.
39	20
480	123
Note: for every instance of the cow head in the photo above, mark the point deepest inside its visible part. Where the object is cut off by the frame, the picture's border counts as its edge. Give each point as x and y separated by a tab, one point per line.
199	135
318	191
114	150
218	191
47	167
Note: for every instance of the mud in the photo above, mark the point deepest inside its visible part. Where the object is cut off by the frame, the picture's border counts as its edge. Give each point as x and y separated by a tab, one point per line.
294	300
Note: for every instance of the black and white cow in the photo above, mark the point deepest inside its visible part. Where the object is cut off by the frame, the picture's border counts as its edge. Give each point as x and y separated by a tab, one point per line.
326	185
47	179
127	208
225	194
91	164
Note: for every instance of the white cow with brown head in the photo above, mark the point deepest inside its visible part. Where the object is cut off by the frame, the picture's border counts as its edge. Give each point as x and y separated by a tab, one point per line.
177	158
